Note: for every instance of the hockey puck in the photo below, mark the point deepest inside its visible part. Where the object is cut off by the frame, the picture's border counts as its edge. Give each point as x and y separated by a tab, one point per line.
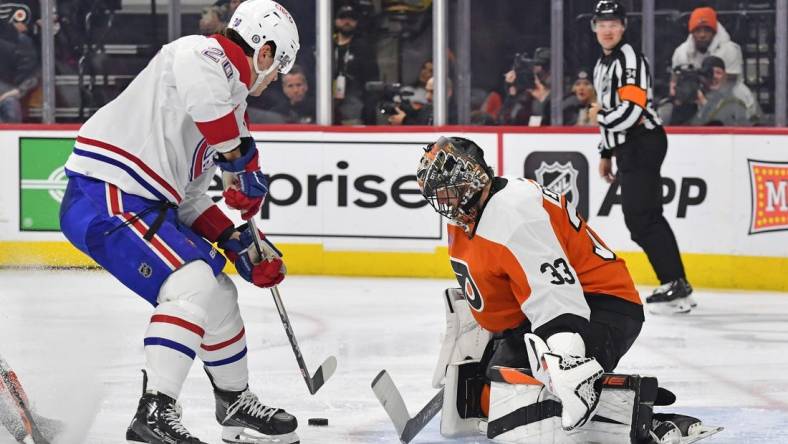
318	421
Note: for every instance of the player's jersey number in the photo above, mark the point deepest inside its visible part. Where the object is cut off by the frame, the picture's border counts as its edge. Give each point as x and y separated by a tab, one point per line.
559	271
469	287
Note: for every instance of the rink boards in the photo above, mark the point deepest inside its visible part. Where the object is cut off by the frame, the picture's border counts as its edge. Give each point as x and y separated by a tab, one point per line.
345	202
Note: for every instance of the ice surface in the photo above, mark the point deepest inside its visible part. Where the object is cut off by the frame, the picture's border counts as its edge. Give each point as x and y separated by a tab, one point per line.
75	340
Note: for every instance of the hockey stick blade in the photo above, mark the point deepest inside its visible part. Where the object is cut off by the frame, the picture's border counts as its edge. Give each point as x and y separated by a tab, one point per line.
10	382
322	374
390	398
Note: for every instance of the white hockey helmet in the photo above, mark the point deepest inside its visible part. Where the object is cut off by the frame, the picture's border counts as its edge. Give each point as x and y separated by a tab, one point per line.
262	21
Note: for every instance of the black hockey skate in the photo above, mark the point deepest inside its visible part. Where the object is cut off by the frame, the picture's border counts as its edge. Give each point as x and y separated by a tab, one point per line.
670	428
674	297
158	420
237	411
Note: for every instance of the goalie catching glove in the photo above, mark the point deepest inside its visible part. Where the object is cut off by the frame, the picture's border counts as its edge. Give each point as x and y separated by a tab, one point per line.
240	249
561	365
245	185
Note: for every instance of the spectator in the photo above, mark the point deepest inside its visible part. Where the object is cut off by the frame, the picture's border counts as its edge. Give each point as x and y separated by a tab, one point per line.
300	105
528	91
214	18
540	106
681	105
717	102
516	107
576	107
19	72
25	16
708	37
423	115
232	6
425	74
354	65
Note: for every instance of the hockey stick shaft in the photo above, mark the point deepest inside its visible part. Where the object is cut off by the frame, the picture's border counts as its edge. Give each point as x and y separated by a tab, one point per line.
324	372
11	382
292	338
328	367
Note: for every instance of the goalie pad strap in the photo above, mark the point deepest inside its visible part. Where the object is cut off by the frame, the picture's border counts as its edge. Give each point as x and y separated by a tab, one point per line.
523	416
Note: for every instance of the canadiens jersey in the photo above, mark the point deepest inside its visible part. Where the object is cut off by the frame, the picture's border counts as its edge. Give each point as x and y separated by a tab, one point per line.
157	138
533	257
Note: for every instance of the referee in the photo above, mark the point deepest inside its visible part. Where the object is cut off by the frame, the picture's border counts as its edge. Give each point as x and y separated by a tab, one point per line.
632	132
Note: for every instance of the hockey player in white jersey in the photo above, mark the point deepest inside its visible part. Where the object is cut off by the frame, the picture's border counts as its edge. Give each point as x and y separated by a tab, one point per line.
136	203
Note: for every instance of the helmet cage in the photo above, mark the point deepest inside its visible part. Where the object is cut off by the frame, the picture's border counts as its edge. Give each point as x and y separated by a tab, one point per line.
452	182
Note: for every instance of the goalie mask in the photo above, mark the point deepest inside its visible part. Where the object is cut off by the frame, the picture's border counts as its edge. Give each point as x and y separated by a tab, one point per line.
452	175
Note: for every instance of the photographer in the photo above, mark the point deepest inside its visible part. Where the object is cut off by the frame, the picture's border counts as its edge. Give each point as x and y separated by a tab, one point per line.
717	102
527	99
411	112
680	107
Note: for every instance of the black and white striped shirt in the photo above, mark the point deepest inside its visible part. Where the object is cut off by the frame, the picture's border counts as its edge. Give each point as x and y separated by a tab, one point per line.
623	84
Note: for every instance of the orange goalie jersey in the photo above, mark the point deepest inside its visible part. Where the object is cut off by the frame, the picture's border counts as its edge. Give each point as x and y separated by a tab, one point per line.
532	256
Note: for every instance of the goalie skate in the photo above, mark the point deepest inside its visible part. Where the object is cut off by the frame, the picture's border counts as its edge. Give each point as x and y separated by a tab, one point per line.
670	428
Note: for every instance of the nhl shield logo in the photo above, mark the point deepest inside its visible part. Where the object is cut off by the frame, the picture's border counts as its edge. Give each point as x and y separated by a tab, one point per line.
562	172
769	191
559	178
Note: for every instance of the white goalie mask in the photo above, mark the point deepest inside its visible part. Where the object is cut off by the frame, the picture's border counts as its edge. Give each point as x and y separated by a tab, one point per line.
262	21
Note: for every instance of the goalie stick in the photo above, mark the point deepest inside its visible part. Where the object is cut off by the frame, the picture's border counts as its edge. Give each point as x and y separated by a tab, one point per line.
11	383
391	400
327	368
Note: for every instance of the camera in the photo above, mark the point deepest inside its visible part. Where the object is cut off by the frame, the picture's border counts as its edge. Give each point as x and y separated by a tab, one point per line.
688	83
523	67
391	96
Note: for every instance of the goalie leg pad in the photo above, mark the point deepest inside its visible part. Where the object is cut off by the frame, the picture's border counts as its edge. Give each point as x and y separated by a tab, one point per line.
464	337
526	412
462	413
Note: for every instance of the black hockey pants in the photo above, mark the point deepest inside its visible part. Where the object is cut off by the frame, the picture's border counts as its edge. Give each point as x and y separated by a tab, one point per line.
613	328
639	161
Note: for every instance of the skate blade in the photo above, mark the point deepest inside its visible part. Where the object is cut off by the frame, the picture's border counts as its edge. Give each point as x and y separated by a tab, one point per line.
702	432
241	435
680	306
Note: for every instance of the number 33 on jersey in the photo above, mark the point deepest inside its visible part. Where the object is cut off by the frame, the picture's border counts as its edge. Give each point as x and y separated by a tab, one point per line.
532	256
